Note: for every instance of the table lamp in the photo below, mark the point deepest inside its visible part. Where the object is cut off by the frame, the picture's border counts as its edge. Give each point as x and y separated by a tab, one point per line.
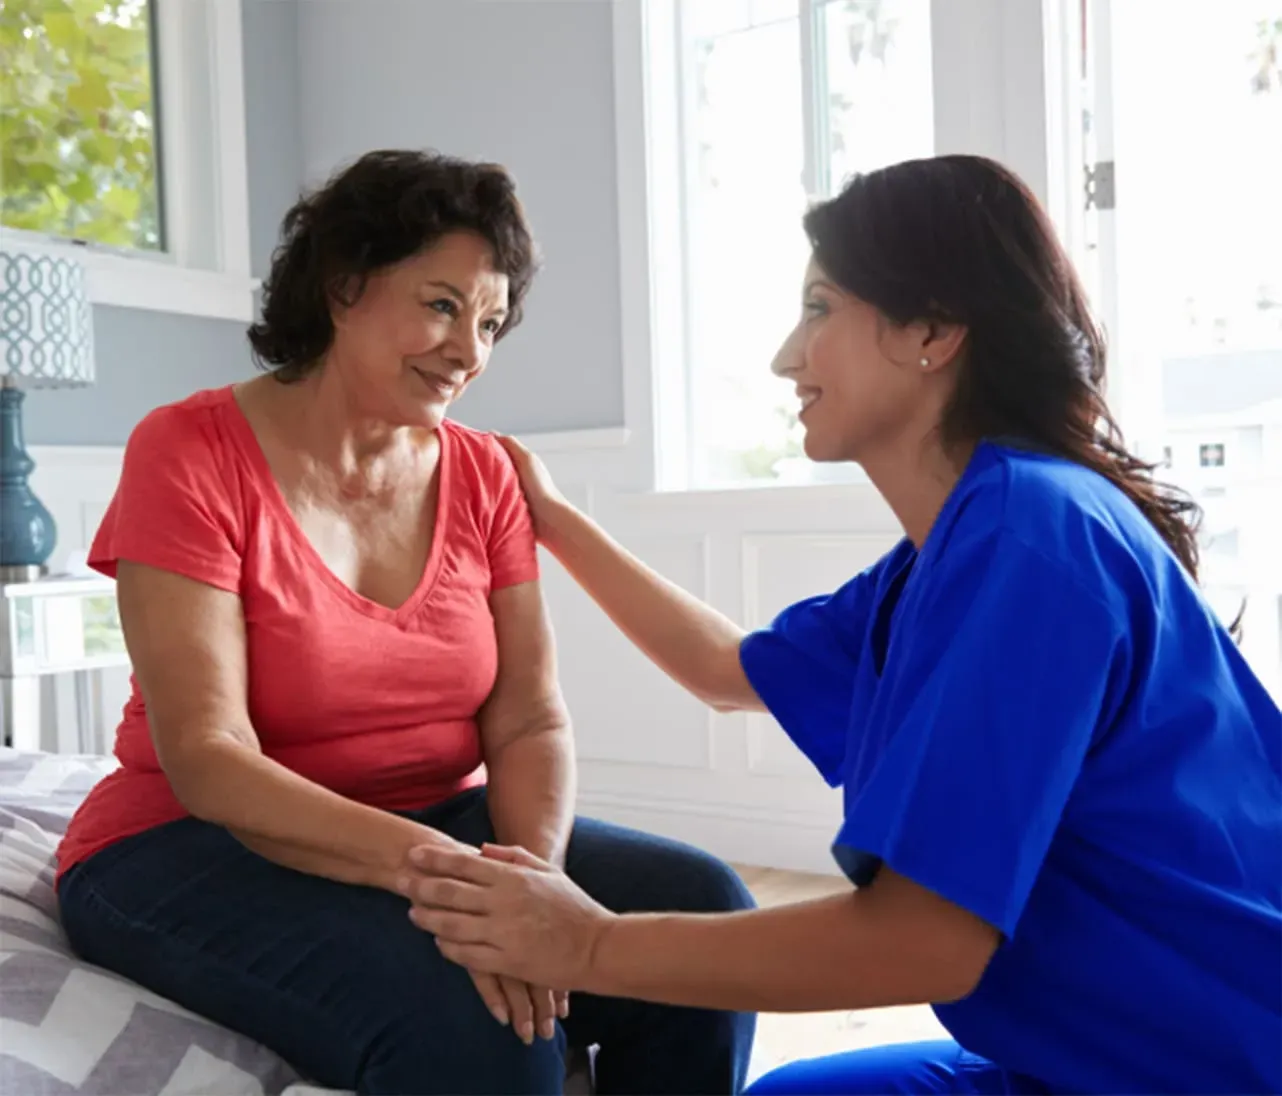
46	341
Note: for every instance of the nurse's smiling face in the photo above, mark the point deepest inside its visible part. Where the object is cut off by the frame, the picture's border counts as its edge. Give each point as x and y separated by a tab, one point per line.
860	378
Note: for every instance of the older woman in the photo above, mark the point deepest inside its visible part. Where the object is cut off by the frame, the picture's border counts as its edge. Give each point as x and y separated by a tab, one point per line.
330	595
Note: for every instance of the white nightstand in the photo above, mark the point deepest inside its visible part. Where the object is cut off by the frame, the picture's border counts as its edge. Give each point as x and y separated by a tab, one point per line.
55	625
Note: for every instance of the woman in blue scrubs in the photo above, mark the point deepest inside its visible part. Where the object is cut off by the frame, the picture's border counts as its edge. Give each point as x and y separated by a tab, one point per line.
1062	783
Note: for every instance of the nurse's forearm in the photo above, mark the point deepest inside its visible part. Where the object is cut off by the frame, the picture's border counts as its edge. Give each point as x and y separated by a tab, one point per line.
691	642
849	951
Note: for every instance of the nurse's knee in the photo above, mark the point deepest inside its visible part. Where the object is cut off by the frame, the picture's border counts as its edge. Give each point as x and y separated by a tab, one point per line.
916	1068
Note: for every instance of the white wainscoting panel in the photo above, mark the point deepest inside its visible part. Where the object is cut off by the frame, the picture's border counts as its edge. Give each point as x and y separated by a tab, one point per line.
760	801
611	688
779	570
650	756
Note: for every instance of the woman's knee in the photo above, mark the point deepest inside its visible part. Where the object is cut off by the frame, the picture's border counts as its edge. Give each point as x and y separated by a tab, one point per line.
432	1033
714	886
412	1058
629	871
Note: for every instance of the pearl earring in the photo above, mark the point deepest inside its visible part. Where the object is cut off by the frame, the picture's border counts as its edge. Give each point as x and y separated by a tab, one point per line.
925	363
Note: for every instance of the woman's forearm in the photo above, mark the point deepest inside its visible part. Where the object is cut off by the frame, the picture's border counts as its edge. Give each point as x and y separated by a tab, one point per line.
310	861
291	820
531	793
691	642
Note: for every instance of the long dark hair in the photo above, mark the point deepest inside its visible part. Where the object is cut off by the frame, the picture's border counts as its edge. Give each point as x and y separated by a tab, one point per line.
960	239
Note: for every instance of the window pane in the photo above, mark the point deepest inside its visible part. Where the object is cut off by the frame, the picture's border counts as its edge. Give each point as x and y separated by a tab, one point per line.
745	144
708	19
877	87
1199	169
1220	134
747	253
78	120
103	633
1219	299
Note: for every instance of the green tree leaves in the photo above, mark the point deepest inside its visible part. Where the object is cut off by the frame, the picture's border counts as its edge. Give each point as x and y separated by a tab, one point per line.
77	120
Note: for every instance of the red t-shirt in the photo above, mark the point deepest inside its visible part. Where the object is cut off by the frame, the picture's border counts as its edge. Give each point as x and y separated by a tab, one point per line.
377	704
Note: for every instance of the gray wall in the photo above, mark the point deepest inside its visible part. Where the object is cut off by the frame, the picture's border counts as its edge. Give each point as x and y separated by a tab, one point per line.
524	82
528	83
144	359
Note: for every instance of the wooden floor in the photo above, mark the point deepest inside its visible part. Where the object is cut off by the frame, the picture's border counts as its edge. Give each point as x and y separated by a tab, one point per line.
775	887
787	1037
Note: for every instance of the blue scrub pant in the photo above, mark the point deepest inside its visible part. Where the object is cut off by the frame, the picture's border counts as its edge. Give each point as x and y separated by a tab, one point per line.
940	1066
339	982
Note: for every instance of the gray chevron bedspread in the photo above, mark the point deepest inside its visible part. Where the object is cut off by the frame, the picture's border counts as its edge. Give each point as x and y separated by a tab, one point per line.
67	1026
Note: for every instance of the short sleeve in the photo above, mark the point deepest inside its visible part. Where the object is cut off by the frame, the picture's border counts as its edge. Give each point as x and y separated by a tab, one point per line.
172	508
803	668
512	545
997	693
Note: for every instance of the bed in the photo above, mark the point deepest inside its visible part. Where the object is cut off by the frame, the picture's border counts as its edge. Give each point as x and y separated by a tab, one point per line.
67	1026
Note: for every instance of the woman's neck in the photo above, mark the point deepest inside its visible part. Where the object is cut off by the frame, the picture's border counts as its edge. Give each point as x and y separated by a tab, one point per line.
326	426
915	477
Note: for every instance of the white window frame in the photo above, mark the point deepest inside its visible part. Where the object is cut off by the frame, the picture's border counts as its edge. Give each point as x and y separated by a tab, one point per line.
999	84
206	267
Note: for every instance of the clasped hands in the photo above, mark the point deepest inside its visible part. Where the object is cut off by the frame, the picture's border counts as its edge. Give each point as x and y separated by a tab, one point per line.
515	922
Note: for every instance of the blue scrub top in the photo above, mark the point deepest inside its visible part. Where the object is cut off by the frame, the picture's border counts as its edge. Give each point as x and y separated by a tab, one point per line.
1038	717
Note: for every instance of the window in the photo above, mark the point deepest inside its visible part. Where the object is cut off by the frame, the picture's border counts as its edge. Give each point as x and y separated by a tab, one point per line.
1187	265
1210	456
780	102
731	117
78	118
751	108
123	136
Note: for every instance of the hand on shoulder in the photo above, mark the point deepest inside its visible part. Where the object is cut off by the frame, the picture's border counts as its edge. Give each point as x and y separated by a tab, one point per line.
541	493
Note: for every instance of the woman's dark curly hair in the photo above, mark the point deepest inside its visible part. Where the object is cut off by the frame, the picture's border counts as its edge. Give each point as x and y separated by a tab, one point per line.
380	210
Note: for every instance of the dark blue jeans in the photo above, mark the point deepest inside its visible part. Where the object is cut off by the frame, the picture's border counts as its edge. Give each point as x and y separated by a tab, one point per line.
340	983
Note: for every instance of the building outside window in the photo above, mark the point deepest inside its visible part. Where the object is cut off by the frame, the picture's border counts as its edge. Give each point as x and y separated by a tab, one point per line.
1211	456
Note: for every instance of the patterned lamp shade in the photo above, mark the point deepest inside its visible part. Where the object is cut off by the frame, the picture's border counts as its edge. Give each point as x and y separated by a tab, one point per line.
46	322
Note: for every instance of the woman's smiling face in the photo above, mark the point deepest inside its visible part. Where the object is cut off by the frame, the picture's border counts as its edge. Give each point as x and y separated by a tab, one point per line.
422	330
858	376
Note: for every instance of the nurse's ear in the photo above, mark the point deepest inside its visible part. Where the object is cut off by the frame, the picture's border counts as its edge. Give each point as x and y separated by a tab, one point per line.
926	345
938	344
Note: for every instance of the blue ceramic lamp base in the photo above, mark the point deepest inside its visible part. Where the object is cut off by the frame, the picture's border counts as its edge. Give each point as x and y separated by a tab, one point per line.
27	529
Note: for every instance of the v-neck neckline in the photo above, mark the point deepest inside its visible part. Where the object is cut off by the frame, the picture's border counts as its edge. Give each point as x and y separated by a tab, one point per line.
275	498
